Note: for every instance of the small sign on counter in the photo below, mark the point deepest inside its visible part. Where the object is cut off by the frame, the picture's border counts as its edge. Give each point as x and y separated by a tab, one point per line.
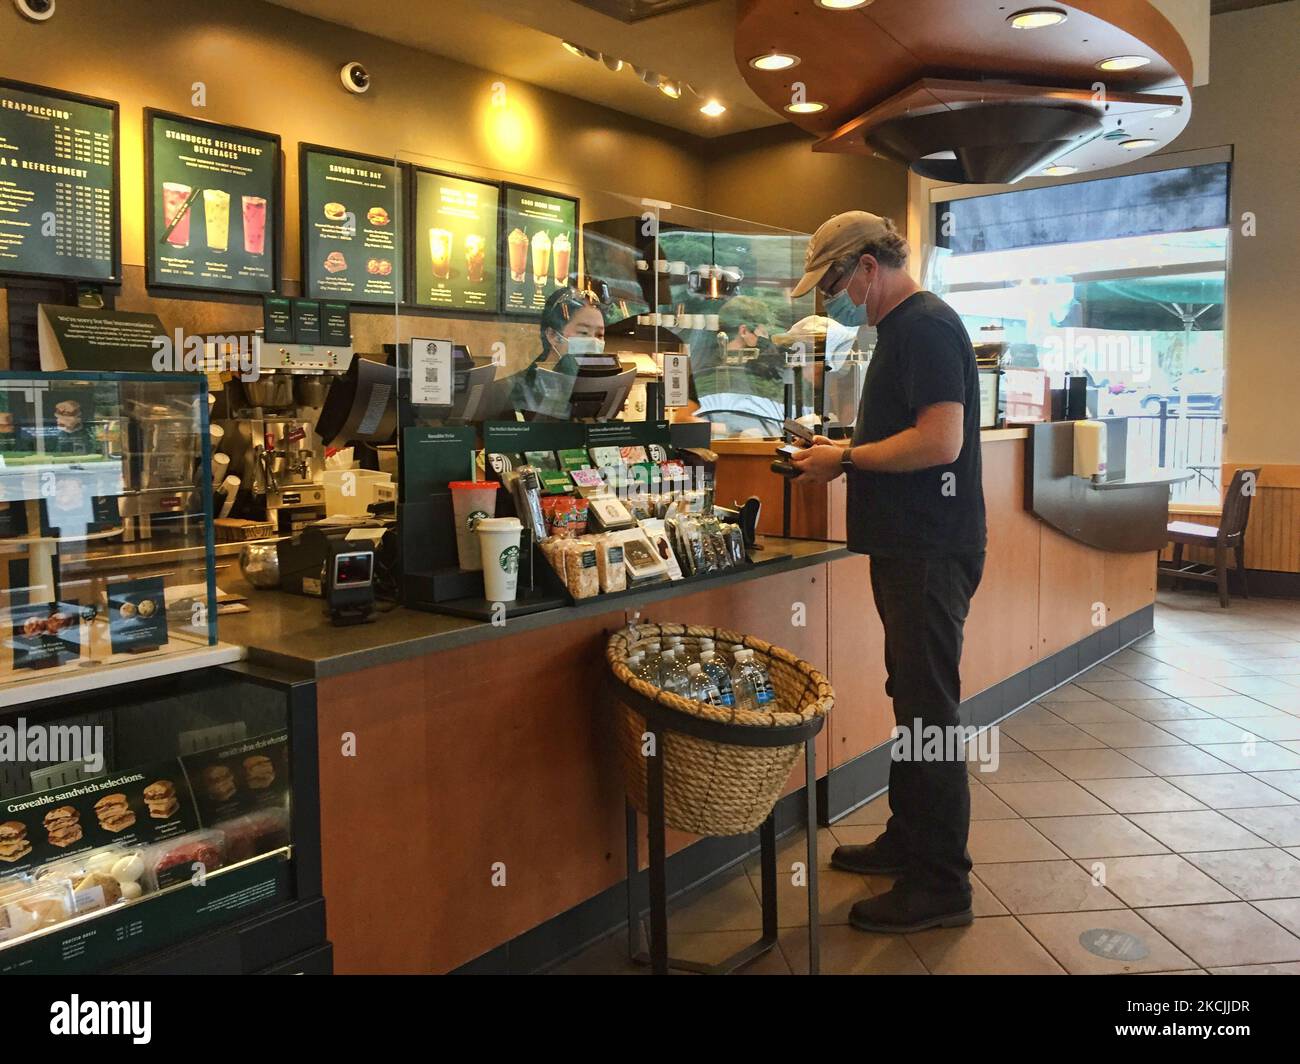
432	383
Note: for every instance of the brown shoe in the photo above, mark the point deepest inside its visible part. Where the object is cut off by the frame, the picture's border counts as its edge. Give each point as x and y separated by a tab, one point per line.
873	859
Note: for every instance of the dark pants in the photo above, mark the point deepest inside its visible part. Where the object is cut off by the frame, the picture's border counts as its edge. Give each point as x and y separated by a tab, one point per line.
923	603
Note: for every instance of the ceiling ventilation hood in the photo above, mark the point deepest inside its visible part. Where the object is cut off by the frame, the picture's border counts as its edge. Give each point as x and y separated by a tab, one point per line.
952	89
636	10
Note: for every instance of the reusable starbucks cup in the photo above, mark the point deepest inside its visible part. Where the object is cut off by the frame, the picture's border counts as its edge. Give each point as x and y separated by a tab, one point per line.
499	545
471	502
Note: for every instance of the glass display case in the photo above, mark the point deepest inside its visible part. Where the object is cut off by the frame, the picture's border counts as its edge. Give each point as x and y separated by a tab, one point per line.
148	818
106	548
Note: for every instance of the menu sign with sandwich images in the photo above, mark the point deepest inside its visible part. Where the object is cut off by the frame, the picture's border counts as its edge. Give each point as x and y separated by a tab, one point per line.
244	777
351	230
58	184
212	205
454	243
539	247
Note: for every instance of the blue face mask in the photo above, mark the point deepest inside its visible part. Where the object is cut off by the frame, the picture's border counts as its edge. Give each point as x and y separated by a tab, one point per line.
841	308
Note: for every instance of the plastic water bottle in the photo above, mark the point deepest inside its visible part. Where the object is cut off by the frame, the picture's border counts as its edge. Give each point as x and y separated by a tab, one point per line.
744	684
703	689
648	667
674	675
717	672
762	682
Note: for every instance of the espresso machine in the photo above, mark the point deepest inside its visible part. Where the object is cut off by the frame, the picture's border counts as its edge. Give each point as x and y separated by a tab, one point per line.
268	457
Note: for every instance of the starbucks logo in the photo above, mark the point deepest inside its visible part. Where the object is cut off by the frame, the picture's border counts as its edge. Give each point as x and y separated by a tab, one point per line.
510	560
472	521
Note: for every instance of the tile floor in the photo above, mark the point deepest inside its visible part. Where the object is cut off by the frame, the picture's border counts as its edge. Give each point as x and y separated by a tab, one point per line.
1158	795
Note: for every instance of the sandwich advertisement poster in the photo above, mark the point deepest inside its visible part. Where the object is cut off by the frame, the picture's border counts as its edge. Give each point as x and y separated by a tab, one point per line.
351	229
213	204
455	242
243	777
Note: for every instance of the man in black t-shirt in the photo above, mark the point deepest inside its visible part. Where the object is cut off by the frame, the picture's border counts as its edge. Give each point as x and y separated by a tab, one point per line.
916	506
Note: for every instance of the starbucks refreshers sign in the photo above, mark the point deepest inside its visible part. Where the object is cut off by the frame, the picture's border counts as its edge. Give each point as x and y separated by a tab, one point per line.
351	227
58	184
454	243
540	247
212	205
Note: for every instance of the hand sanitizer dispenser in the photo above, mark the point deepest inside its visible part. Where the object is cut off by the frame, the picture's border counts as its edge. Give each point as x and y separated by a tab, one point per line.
1089	449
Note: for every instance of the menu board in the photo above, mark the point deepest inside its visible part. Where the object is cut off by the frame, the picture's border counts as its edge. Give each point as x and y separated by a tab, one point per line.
539	247
212	204
351	231
454	242
58	184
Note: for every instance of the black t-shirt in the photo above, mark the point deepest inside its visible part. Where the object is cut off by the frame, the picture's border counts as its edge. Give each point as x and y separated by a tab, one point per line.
923	356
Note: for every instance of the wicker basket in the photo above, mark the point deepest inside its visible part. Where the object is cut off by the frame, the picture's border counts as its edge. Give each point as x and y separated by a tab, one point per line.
714	788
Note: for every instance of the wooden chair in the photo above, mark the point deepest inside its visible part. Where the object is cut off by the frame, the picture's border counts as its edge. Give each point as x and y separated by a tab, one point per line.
1229	534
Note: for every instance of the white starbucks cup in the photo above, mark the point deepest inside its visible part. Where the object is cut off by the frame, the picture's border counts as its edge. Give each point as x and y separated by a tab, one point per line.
498	539
471	501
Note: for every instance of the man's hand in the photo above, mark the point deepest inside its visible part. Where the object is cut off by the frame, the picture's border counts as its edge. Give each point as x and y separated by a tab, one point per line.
818	464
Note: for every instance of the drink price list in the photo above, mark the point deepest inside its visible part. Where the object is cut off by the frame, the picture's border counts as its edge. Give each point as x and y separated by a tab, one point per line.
540	247
455	238
58	176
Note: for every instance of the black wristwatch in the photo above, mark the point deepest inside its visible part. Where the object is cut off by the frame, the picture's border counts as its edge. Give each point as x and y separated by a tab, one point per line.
846	462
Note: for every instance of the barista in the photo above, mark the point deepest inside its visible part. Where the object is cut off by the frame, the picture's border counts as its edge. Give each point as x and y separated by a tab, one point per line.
573	325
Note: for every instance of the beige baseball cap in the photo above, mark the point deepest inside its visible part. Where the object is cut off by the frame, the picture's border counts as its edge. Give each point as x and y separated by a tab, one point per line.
837	238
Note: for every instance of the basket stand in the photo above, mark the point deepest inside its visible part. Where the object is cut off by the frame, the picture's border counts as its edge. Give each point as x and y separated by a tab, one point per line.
659	720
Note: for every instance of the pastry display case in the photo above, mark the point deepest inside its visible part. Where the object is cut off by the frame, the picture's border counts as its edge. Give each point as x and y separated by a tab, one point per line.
172	822
106	541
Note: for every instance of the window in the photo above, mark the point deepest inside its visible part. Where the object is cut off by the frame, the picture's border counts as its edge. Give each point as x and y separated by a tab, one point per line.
1119	278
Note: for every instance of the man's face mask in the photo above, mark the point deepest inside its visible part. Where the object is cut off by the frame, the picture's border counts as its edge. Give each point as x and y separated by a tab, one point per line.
843	309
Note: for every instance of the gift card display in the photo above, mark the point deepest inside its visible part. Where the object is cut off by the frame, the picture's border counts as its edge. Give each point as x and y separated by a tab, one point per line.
137	615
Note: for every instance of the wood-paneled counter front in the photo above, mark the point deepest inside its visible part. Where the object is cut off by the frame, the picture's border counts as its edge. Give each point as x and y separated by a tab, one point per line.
470	789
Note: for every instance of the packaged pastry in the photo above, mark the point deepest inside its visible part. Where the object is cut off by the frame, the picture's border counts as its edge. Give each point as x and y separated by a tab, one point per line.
609	562
95	890
581	569
38	907
172	862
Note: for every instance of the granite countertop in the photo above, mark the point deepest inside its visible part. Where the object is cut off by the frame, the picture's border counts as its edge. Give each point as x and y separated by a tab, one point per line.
292	633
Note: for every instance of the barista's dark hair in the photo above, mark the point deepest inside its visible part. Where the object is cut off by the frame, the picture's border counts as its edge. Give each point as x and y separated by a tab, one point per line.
890	250
561	305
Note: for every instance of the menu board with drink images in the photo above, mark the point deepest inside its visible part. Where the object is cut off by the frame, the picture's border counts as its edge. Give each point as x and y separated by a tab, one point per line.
213	197
454	241
351	232
541	247
58	184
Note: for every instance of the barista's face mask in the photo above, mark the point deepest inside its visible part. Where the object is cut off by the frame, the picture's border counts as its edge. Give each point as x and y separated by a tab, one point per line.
843	309
584	345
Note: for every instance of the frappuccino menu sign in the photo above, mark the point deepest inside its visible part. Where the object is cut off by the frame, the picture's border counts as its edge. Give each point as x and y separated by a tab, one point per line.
58	184
351	232
454	243
212	201
540	247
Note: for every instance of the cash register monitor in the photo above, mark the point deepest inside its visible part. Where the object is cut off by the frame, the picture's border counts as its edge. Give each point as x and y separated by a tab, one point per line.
361	406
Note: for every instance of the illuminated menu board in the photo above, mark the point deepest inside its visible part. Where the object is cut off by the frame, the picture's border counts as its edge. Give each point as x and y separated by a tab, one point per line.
351	229
454	243
58	184
212	205
539	247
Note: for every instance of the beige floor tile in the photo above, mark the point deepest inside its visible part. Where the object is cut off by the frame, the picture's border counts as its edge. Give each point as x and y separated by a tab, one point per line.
985	805
1175	760
1286	701
1162	879
1286	911
1017	767
983	901
995	841
1203	731
856	834
847	951
1045	887
836	891
1185	685
1033	713
1221	935
1144	795
1061	934
1197	831
1109	690
1157	709
1059	798
1279	729
1146	669
1259	969
1117	734
1109	835
1254	757
1080	713
1233	790
728	903
995	945
716	946
1279	824
875	811
1231	706
1101	672
1288	782
1256	686
1058	736
1067	692
794	847
1093	764
1252	874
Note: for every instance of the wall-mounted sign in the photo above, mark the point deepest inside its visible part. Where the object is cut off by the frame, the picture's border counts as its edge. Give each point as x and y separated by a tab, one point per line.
212	205
58	184
454	243
539	247
351	227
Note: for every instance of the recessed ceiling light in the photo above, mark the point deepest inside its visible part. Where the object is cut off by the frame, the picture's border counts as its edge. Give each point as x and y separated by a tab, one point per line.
842	5
1037	18
671	89
1138	142
573	49
650	78
713	109
1060	171
809	107
1124	62
1168	112
613	64
774	61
